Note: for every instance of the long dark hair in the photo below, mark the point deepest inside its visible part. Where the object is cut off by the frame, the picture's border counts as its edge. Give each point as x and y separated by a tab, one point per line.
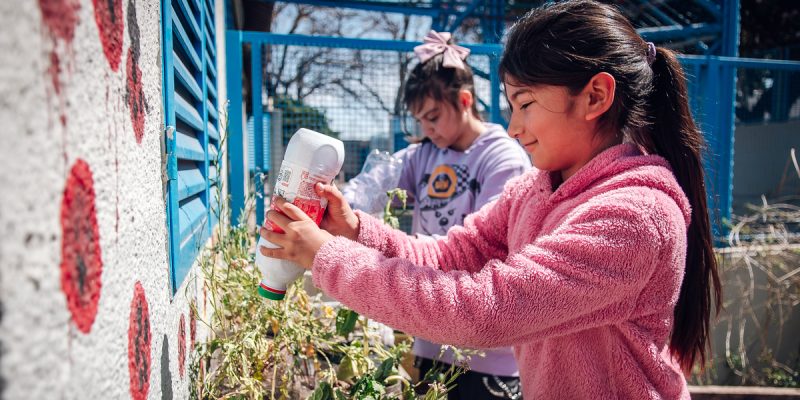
566	44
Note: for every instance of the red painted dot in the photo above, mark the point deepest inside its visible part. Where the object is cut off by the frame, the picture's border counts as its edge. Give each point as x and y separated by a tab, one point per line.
135	96
108	16
81	260
182	346
139	341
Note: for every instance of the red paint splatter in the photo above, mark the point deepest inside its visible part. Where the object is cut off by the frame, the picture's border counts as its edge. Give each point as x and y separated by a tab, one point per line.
139	341
135	96
54	71
60	17
108	16
192	325
182	346
205	298
81	261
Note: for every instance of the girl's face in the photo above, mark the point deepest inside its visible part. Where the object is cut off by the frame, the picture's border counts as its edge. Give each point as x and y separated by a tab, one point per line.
553	127
444	125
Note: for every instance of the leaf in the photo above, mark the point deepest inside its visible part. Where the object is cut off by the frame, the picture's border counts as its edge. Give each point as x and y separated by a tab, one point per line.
340	395
384	370
366	387
322	392
393	222
345	321
347	369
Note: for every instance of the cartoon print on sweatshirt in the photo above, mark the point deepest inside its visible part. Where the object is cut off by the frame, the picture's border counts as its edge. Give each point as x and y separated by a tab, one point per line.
438	189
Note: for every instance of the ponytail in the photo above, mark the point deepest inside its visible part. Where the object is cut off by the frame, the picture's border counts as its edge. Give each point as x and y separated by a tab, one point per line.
566	44
673	135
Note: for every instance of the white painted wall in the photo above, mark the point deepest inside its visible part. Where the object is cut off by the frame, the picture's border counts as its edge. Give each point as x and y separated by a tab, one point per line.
44	351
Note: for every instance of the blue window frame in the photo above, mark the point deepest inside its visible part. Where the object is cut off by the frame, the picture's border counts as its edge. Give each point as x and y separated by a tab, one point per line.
192	140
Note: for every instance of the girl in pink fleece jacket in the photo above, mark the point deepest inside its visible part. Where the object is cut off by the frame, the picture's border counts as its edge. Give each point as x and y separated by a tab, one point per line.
597	267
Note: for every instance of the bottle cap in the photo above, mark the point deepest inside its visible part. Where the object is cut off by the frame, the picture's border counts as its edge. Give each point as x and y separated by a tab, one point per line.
270	293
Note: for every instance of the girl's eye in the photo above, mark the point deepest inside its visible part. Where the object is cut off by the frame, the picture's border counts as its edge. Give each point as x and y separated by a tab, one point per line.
433	120
524	106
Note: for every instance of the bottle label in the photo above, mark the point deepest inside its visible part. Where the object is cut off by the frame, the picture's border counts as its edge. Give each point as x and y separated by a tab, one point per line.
296	185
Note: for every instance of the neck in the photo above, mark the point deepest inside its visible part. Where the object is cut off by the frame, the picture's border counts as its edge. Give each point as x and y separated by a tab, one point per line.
607	142
473	128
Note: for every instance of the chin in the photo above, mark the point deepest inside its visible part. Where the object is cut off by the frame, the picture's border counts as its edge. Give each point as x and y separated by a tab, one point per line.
541	165
441	145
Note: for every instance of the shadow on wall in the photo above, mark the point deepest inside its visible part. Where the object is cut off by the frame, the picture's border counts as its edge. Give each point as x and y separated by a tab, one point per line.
166	375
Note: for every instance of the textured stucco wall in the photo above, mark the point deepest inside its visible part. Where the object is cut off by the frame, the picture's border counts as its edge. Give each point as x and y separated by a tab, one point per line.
86	310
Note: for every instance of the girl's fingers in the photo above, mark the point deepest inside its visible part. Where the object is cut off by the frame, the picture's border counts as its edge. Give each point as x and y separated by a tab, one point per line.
292	211
278	219
273	253
277	239
330	193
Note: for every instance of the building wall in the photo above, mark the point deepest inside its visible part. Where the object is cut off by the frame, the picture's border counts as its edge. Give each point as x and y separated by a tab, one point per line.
86	309
761	153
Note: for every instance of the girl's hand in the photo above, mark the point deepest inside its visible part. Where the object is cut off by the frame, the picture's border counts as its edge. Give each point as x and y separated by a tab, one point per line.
301	239
340	220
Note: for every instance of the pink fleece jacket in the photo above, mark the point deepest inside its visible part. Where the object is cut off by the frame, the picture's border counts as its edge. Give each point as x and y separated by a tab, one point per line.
582	281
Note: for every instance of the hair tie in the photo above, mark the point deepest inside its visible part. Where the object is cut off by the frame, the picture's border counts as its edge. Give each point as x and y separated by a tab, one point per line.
436	43
651	53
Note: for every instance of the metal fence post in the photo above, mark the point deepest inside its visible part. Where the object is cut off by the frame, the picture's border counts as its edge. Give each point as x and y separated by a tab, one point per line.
235	155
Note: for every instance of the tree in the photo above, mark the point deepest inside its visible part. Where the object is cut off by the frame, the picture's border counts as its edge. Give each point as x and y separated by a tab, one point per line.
297	114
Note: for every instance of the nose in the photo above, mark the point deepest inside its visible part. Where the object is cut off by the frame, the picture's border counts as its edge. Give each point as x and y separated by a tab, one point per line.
515	126
425	128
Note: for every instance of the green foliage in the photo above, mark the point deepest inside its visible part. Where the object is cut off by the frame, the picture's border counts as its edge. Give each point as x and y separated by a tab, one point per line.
780	377
297	348
301	347
390	217
297	114
345	321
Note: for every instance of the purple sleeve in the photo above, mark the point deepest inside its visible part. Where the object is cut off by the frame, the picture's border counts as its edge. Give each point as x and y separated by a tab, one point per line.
408	175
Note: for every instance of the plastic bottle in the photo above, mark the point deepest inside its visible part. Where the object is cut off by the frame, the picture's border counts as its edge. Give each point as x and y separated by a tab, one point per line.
310	157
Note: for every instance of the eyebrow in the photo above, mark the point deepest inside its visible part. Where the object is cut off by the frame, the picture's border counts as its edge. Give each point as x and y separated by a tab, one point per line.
517	94
429	112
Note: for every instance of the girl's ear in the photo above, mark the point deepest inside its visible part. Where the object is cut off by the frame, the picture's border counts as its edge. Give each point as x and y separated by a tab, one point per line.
600	93
465	99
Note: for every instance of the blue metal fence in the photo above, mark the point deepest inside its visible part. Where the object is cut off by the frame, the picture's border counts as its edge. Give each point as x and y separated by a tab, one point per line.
327	110
193	140
713	96
711	86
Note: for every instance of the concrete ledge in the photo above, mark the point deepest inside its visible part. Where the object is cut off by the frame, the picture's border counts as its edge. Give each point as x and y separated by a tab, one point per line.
742	393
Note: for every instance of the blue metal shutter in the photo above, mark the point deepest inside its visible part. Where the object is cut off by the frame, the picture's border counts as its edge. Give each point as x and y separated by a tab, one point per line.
193	140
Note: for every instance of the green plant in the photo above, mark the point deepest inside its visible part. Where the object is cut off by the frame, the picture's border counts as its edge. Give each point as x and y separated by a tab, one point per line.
391	216
301	347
